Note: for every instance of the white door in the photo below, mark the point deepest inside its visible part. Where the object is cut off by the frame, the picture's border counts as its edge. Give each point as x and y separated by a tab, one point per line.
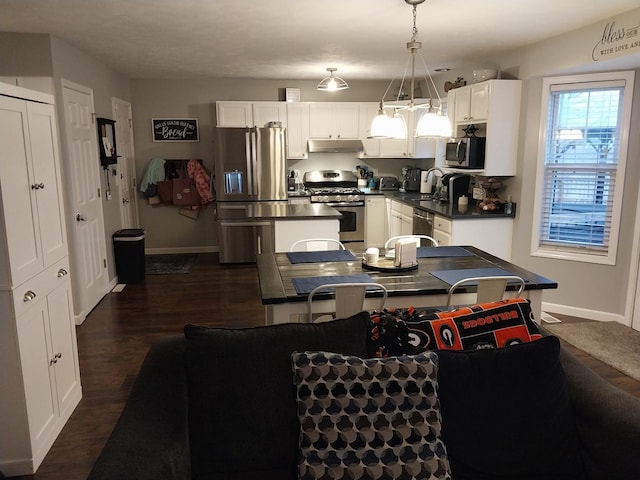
86	222
126	182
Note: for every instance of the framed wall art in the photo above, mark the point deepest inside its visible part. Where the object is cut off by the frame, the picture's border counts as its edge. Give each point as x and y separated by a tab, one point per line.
175	129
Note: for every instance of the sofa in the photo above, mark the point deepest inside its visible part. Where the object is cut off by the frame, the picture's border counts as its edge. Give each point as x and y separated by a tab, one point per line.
216	403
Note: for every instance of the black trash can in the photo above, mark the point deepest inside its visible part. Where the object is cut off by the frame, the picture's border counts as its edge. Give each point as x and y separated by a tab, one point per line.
128	246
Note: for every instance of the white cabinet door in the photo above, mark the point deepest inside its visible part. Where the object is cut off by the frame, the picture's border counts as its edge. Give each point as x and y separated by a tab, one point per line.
265	112
47	175
395	219
333	120
374	217
18	196
368	111
297	130
234	114
31	189
37	373
472	103
406	219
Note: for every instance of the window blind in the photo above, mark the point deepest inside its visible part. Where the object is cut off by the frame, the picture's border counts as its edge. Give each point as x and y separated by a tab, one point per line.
580	165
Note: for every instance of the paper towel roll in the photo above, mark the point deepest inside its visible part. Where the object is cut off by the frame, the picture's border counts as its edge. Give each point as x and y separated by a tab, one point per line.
425	184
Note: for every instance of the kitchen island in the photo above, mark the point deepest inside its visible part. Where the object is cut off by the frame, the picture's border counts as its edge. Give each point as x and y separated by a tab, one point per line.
417	288
273	226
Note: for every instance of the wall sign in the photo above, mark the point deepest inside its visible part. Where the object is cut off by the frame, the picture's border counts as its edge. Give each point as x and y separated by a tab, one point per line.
617	40
175	129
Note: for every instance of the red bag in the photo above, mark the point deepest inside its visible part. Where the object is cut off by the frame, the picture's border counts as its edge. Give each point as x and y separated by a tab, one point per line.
185	193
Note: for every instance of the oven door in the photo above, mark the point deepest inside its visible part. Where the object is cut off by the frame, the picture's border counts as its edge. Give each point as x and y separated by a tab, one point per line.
351	223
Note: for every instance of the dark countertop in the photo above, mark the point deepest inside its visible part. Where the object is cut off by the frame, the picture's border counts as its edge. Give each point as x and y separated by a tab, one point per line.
418	200
447	210
284	211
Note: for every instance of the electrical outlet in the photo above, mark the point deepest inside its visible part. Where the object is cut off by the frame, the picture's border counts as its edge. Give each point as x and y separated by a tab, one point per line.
477	193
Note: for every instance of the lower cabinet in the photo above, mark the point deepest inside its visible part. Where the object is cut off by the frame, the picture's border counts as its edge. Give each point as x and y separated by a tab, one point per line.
493	235
400	219
40	374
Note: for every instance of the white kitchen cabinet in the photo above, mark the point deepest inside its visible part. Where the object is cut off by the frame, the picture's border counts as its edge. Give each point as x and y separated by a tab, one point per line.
472	103
234	114
374	218
238	114
297	130
494	107
334	120
34	232
493	235
410	147
400	219
39	378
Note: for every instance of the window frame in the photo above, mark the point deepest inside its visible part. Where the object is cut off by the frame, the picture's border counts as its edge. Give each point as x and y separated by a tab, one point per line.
577	252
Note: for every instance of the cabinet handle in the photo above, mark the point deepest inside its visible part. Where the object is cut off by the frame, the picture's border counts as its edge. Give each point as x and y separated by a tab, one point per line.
55	359
28	296
62	272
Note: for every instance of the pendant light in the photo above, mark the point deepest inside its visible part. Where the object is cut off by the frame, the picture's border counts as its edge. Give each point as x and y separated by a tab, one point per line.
332	83
432	124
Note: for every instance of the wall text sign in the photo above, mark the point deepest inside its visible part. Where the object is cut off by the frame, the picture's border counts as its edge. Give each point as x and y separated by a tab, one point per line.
175	129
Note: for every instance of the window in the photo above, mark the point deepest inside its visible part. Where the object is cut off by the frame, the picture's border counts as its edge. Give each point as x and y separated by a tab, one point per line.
581	164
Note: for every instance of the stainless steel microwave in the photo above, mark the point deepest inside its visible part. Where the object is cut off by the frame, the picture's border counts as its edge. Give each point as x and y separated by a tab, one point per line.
465	152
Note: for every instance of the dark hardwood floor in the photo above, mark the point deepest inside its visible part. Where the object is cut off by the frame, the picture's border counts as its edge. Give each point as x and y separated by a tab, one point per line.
114	339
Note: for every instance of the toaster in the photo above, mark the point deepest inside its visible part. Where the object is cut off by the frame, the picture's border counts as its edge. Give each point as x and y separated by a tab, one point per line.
389	183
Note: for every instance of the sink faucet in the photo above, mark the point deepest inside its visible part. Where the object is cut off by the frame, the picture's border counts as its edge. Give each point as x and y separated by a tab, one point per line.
433	169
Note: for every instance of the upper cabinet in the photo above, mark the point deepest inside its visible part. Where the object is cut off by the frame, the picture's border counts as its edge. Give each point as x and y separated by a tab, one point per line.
334	120
250	114
410	147
297	130
493	107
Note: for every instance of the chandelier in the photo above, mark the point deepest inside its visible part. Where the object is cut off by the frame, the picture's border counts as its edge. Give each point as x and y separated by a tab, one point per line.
432	123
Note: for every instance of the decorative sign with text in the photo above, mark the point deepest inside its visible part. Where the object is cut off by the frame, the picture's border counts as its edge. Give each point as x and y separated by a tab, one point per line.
617	40
175	129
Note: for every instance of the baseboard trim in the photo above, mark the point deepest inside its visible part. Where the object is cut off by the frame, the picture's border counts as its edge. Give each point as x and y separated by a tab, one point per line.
583	313
168	250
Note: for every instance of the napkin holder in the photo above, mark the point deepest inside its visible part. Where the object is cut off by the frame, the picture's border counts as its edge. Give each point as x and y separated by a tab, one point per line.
406	250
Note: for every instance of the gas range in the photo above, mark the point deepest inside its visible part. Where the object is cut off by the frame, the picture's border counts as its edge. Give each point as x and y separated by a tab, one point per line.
335	187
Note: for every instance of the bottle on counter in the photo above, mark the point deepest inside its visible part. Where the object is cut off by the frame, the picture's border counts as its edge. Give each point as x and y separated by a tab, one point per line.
508	207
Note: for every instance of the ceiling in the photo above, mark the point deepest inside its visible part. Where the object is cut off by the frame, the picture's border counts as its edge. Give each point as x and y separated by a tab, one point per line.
296	39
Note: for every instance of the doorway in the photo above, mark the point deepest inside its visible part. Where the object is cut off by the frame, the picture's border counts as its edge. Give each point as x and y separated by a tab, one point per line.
126	178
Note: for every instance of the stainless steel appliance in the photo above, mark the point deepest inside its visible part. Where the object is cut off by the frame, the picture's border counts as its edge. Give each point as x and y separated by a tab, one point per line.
338	189
250	168
422	222
411	179
388	184
454	185
465	152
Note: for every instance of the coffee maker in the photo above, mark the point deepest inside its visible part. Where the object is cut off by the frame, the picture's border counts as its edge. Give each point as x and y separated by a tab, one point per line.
454	185
411	179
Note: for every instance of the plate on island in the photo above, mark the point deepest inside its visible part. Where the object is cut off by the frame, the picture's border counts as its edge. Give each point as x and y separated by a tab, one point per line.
387	265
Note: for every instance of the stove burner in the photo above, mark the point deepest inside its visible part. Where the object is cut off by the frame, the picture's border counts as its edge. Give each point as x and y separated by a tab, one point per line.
333	190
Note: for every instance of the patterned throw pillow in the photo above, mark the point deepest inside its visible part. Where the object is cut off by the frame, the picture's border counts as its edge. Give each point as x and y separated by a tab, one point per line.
369	418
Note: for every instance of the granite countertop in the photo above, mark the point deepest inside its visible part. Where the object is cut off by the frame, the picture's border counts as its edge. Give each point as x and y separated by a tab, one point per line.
283	211
436	207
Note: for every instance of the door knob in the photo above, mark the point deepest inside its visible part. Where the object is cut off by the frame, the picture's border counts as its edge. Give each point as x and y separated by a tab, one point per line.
80	218
125	200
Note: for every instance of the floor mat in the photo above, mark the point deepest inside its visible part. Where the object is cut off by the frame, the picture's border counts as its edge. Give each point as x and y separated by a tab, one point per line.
169	263
613	343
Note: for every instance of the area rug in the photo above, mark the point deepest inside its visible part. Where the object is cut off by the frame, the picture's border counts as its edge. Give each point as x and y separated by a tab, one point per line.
169	263
611	342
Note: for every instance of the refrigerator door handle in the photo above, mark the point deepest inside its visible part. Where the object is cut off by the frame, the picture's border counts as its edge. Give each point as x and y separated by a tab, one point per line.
249	158
254	156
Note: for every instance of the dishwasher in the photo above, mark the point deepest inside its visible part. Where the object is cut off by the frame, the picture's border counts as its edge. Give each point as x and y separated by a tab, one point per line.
422	222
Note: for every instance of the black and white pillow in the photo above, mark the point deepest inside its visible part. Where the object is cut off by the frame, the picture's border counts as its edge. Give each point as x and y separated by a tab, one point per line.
369	418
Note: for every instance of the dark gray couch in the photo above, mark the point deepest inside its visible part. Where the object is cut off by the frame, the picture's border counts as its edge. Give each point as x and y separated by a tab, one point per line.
220	404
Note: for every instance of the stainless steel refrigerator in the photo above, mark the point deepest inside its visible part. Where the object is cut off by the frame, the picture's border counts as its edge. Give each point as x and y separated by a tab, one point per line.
250	168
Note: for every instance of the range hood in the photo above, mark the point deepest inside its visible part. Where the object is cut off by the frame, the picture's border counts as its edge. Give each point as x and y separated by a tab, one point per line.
335	146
